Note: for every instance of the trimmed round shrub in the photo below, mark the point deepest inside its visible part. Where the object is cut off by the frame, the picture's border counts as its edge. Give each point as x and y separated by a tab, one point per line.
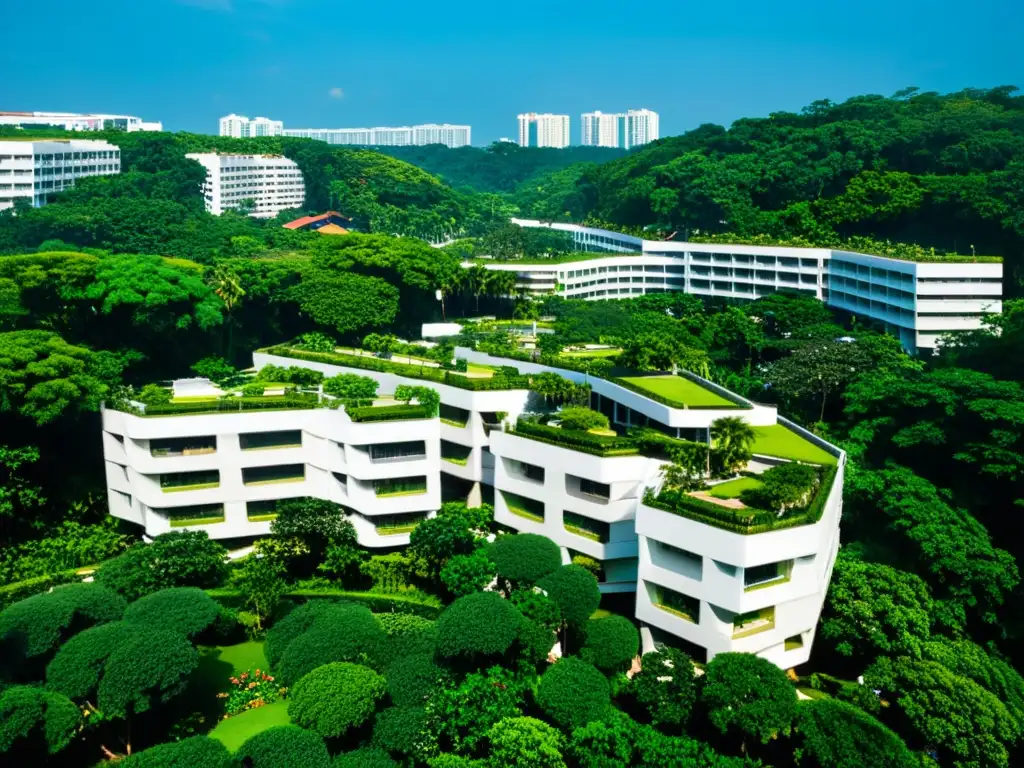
348	633
408	634
611	643
38	625
174	559
366	757
284	746
411	679
185	610
537	607
749	695
76	669
466	574
194	752
666	687
606	743
535	641
399	624
481	624
835	734
291	626
148	667
446	760
524	558
399	730
576	417
573	693
336	697
34	722
574	589
525	742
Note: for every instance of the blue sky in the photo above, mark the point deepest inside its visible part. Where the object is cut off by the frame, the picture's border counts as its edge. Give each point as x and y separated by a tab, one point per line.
320	63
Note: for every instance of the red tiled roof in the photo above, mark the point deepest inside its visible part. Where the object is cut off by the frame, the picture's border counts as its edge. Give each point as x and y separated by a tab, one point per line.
307	220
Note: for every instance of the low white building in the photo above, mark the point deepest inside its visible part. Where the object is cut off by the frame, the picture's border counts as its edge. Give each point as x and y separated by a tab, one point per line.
268	183
916	301
453	136
708	585
34	170
72	121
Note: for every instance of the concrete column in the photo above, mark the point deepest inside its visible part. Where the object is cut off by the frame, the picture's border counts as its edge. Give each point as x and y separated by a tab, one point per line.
475	496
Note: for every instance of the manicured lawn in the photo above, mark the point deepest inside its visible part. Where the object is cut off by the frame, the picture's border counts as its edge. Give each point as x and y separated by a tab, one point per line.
679	389
235	731
733	488
479	371
594	353
244	656
776	440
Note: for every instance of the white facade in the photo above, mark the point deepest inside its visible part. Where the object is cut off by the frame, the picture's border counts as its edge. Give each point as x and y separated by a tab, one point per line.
72	121
272	182
241	127
545	130
916	301
36	169
761	593
404	136
624	129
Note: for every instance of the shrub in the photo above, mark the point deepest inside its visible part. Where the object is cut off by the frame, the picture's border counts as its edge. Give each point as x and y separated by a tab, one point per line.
606	743
411	679
154	394
749	695
461	716
446	760
402	624
185	610
147	668
466	574
253	389
425	397
524	742
481	624
784	486
834	734
34	722
214	368
537	607
611	643
575	590
350	386
582	419
573	693
434	541
348	633
76	669
37	626
365	757
335	697
666	687
194	752
280	636
317	342
418	635
284	746
399	729
592	565
525	557
175	559
535	641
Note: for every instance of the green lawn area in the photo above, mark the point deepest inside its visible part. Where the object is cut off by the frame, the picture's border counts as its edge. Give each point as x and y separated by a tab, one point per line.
594	353
733	488
479	371
235	731
776	440
679	389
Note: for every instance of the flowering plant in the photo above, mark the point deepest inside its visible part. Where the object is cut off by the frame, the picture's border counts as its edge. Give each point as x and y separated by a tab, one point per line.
251	689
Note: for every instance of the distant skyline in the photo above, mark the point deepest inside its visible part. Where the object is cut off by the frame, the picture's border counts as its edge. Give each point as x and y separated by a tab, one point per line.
189	62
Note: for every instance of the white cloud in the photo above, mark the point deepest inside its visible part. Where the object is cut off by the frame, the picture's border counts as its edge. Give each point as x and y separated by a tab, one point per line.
335	93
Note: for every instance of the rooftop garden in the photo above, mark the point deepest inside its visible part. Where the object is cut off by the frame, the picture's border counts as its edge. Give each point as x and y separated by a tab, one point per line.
781	442
676	391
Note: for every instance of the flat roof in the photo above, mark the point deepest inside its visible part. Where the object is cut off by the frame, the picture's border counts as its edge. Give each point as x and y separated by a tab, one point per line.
680	389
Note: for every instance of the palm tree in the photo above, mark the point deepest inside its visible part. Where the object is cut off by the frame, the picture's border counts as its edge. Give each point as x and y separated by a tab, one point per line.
228	287
734	439
477	278
501	283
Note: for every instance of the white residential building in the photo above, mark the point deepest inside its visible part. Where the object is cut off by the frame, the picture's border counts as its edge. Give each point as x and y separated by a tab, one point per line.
272	183
545	130
241	127
624	129
403	136
715	587
918	302
72	121
34	170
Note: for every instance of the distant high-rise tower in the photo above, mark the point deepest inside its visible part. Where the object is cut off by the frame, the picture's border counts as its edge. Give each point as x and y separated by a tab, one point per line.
624	129
545	130
241	127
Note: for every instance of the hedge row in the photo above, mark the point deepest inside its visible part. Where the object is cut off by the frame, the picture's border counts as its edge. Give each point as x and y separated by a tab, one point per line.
757	521
19	590
577	440
389	413
235	404
378	603
428	373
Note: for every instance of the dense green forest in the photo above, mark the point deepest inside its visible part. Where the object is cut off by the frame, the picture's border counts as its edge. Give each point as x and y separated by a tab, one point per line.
126	280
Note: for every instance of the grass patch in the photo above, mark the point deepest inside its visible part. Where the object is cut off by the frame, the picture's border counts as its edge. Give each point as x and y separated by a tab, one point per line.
454	460
382	494
811	693
733	488
193	487
182	522
453	423
479	371
582	532
777	440
679	389
598	353
277	480
235	731
395	530
262	518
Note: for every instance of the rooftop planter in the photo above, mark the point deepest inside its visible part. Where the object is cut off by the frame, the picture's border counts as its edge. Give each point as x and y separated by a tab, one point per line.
389	413
577	440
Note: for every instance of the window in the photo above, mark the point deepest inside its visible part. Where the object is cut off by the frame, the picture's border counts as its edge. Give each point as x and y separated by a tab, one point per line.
261	511
455	417
521	506
392	525
455	453
383	453
258	441
683	606
183	446
523	471
189	481
746	624
594	488
595	530
198	514
285	473
400	486
759	576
